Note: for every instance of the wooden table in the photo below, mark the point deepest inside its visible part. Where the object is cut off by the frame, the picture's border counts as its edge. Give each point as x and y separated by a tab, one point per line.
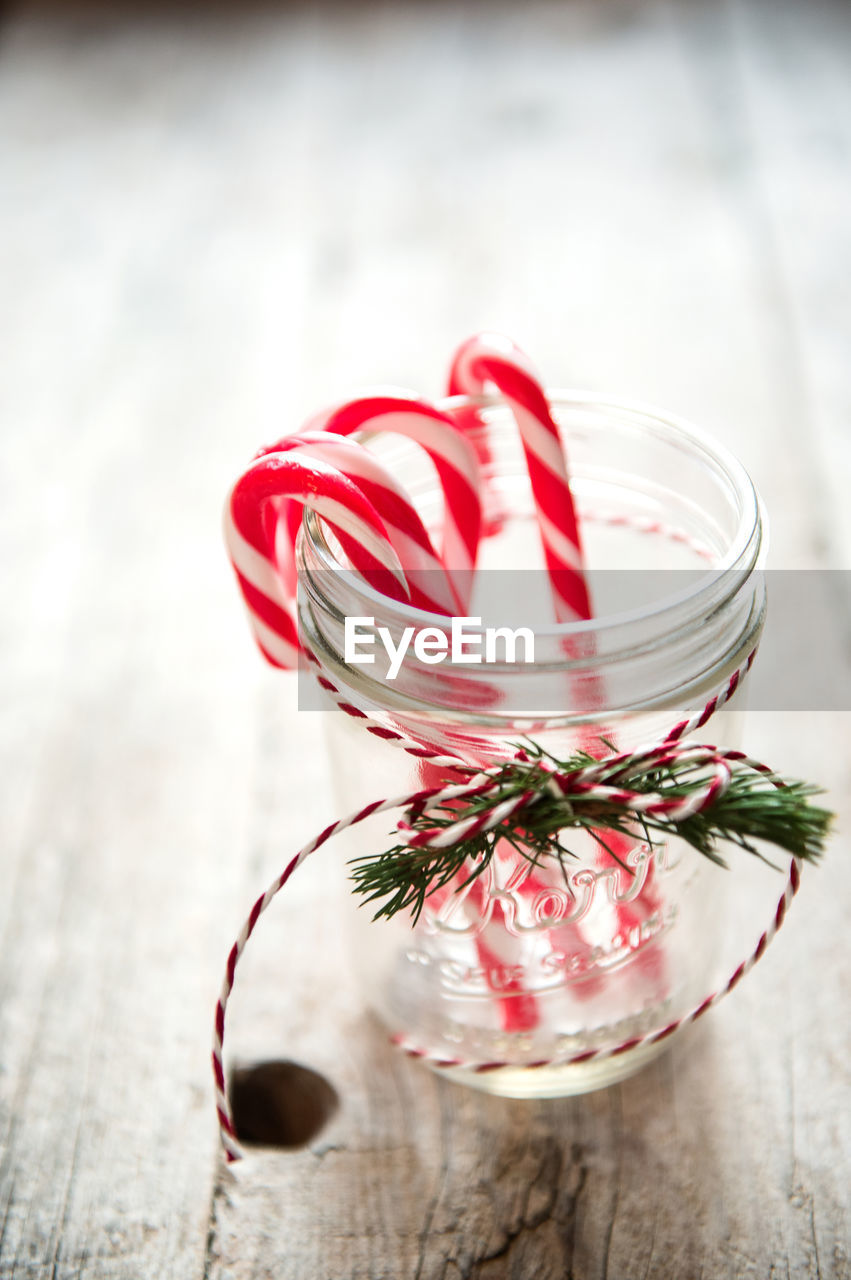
210	223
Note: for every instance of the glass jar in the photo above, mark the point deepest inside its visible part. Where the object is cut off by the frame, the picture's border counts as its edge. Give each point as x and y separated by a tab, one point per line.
534	967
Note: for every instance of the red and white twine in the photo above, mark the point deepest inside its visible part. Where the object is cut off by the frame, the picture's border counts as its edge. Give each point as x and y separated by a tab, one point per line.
585	780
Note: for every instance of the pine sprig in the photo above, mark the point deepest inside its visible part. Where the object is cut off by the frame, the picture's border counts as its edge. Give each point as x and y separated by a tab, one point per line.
755	806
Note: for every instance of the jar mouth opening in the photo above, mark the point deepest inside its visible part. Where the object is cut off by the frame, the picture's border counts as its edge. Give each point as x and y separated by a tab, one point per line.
707	589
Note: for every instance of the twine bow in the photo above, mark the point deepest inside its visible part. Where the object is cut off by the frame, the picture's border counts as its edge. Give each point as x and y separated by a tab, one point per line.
702	794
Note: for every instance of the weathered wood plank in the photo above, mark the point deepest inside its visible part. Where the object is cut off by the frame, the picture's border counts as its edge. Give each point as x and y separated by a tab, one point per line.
799	106
119	821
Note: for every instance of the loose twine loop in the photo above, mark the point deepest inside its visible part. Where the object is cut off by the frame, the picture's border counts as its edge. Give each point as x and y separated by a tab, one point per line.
583	780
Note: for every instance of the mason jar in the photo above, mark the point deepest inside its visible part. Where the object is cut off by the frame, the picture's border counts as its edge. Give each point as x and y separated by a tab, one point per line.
543	980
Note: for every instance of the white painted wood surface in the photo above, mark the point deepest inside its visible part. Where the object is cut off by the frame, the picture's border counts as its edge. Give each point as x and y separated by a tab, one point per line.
210	223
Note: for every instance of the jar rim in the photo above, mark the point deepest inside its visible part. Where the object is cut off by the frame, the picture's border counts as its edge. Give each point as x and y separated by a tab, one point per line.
710	588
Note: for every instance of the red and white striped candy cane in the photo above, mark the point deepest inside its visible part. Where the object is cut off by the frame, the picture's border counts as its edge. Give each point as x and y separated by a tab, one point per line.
250	539
492	359
454	458
424	572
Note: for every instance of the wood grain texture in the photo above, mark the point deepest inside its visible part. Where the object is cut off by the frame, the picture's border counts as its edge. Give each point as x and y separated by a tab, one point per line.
210	223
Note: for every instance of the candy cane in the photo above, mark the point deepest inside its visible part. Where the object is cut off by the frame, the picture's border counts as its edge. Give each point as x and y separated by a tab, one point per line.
491	358
250	540
425	575
454	459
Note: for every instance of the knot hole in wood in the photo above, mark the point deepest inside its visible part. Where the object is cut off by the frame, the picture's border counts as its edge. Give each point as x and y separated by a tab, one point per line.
280	1104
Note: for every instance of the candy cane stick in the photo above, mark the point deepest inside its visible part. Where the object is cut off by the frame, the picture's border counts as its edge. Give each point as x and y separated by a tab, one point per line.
424	572
484	359
497	950
360	466
491	358
516	1008
250	540
454	459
